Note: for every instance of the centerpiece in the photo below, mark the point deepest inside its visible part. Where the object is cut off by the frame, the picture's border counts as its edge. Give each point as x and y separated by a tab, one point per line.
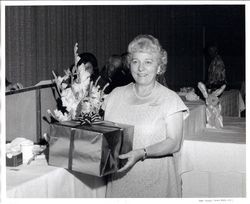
81	98
213	106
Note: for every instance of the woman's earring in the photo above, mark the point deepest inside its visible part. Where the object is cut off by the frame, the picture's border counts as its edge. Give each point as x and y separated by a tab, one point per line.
158	71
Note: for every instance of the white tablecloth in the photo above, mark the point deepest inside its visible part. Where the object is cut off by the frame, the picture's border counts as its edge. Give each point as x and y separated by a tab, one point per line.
213	163
196	120
38	180
232	103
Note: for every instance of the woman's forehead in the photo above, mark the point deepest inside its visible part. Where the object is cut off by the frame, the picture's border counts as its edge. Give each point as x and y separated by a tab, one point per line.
145	54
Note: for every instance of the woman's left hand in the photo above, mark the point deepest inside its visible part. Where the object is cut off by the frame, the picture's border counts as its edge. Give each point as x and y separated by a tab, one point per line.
132	157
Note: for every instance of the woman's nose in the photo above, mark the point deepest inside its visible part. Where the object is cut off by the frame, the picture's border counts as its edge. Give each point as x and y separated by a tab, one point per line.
140	67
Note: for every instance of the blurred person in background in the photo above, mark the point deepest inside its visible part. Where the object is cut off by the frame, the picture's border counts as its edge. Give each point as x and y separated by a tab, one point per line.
122	75
91	64
216	70
12	86
108	71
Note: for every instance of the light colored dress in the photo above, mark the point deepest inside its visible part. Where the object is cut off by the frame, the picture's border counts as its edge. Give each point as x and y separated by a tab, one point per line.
154	177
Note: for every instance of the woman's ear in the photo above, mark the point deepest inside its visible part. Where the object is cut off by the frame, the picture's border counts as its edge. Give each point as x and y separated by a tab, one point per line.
159	69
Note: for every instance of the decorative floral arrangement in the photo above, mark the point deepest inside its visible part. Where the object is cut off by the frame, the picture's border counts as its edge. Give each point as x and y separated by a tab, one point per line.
81	99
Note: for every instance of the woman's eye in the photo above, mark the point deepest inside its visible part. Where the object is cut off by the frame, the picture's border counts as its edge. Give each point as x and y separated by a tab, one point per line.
148	62
134	62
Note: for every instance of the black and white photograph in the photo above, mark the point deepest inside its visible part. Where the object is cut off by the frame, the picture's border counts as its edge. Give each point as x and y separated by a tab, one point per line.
124	99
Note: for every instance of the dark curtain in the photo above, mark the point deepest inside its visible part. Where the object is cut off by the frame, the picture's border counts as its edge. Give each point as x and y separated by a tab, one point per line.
40	39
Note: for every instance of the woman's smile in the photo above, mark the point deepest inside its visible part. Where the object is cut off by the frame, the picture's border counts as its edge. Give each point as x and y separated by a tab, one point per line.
142	74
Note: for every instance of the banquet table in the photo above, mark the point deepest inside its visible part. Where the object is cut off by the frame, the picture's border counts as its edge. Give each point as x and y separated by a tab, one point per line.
232	103
212	163
196	121
38	180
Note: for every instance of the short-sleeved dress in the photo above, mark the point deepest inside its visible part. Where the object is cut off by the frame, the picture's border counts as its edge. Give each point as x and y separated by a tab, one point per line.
156	177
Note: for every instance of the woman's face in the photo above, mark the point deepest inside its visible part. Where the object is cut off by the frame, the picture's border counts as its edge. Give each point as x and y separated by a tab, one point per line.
144	67
89	68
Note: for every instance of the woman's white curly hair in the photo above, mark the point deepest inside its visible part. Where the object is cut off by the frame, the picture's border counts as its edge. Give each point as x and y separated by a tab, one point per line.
148	43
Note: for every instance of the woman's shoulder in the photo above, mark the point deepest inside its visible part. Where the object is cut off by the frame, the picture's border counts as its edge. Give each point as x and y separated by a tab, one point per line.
116	95
172	102
167	93
121	89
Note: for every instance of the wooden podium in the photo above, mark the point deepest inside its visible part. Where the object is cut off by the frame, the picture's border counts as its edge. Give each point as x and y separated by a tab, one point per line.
26	109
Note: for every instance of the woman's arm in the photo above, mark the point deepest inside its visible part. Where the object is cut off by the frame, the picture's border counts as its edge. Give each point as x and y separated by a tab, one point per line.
168	146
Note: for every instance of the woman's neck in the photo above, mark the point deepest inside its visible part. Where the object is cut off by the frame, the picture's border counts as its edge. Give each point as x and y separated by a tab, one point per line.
144	90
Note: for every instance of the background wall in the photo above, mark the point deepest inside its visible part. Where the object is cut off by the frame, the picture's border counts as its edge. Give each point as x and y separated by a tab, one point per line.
40	39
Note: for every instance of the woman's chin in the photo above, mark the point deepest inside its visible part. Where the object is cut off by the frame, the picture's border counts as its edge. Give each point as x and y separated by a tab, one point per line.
141	81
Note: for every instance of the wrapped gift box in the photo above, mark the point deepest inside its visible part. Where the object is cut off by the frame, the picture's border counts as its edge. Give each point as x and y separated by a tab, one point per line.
90	149
14	160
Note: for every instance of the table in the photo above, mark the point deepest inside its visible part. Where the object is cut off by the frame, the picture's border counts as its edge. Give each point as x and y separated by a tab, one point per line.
196	120
213	162
232	103
57	182
38	180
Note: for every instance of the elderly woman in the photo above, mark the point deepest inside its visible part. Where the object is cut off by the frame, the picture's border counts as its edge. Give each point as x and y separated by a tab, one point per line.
157	115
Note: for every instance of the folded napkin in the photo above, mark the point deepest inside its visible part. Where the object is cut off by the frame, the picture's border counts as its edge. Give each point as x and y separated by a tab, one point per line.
189	94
